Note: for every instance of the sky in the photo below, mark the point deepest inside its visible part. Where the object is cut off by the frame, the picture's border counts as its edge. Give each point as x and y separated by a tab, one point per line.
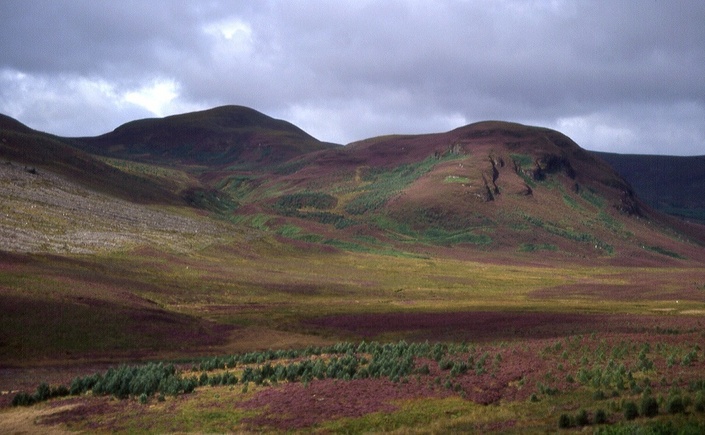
623	76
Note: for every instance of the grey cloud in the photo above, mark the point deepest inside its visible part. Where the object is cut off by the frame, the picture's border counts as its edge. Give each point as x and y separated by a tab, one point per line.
624	73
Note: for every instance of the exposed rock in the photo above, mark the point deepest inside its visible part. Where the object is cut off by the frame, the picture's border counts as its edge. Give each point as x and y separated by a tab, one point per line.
495	172
527	191
489	196
551	164
628	203
456	149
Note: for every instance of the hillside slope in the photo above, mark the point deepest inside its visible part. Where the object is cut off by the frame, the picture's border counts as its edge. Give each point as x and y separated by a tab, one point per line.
495	187
39	151
492	186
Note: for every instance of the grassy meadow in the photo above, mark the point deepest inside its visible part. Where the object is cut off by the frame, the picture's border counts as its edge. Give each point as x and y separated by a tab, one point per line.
532	340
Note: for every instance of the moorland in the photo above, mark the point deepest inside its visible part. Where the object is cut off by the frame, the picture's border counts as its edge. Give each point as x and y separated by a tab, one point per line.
223	271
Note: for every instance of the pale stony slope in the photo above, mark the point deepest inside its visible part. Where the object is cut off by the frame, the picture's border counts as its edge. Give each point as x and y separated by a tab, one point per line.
44	212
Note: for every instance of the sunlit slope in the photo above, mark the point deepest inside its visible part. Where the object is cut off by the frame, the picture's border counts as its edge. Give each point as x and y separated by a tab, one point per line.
40	152
487	186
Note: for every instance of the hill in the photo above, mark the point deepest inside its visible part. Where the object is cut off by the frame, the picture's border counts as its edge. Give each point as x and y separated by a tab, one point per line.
492	186
38	151
671	184
227	135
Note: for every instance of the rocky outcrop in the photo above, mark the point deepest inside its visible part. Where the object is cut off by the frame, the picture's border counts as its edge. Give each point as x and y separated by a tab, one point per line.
552	164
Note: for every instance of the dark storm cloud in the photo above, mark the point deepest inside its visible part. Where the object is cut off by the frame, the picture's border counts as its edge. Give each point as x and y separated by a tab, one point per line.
622	76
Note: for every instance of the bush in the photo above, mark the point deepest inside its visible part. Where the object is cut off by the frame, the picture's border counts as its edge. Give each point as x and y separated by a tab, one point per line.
143	399
630	411
581	418
43	392
675	405
648	406
564	421
700	402
23	399
600	416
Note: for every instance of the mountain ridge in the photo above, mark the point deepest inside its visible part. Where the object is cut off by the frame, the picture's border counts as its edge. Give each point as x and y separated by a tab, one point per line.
491	185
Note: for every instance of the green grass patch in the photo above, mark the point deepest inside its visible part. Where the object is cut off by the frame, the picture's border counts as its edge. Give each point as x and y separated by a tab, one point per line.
610	222
533	247
592	197
666	252
569	234
296	233
289	231
522	160
259	221
571	202
442	237
316	200
456	179
384	183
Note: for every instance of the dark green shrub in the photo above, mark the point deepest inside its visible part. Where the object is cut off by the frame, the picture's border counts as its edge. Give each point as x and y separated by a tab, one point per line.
675	405
459	368
43	392
581	418
600	416
564	421
143	399
700	402
445	364
598	395
23	399
203	379
648	406
423	370
630	411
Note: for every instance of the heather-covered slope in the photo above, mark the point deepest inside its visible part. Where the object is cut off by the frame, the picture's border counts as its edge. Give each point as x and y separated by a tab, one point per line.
490	186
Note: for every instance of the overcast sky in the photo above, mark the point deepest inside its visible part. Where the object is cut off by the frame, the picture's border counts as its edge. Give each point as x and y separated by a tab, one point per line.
621	76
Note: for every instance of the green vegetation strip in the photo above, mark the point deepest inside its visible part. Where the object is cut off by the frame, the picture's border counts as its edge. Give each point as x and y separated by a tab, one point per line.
345	361
384	183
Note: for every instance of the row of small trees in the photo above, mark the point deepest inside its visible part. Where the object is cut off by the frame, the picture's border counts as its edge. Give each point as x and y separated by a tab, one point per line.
341	361
121	382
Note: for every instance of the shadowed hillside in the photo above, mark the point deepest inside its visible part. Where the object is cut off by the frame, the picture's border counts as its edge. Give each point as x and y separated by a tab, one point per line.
226	135
671	184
